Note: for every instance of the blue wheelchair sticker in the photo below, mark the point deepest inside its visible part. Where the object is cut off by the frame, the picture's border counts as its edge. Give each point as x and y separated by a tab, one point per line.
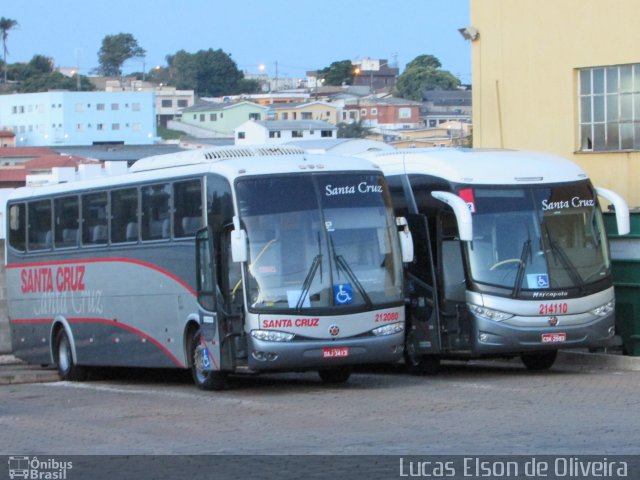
206	363
343	293
538	280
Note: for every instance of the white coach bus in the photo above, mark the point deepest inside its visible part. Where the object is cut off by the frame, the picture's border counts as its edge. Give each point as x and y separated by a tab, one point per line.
511	255
230	260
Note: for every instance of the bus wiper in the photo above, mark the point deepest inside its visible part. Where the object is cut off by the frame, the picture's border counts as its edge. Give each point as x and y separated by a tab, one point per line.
308	280
522	266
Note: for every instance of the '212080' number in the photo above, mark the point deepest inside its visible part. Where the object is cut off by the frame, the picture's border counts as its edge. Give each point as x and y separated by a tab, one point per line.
553	308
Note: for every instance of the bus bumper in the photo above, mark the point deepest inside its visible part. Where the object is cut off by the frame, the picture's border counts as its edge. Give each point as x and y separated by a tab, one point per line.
493	337
320	354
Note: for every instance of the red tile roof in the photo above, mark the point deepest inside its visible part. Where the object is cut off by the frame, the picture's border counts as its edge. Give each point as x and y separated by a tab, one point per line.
18	152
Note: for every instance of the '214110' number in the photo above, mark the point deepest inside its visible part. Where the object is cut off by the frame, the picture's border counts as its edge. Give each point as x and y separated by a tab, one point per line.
553	308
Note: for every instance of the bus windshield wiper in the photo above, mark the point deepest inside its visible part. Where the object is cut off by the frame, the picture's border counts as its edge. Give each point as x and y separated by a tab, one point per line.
522	266
559	252
342	263
308	280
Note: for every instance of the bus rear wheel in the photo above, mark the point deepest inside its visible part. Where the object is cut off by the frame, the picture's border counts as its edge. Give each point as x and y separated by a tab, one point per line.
335	375
539	361
67	368
204	379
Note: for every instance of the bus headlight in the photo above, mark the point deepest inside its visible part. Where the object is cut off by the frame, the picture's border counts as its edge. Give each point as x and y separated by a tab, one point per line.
388	329
488	313
272	335
604	310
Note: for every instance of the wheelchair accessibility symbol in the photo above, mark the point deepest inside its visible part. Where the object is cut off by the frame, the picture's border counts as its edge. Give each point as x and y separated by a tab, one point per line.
343	293
542	281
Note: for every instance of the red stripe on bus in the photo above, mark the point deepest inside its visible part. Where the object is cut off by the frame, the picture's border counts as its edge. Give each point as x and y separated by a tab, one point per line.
114	260
109	322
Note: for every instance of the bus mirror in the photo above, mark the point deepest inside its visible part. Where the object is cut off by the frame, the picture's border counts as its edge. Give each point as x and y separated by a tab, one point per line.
238	245
462	212
621	209
406	241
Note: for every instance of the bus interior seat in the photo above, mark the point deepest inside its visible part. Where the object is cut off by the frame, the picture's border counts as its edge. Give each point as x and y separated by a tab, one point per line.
70	236
99	234
132	231
190	225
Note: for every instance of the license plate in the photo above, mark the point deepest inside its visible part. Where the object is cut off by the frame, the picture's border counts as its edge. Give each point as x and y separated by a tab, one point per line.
335	352
554	337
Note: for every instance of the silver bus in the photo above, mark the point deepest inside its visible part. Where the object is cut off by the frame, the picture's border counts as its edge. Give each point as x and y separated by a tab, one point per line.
511	256
222	261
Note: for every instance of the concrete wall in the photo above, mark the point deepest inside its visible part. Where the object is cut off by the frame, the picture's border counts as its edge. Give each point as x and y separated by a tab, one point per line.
525	65
5	334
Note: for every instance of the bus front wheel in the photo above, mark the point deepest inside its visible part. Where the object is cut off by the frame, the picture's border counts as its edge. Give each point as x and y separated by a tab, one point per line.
204	379
67	368
539	361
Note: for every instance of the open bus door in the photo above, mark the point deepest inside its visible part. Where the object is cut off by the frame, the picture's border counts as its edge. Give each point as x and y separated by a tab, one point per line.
211	351
422	345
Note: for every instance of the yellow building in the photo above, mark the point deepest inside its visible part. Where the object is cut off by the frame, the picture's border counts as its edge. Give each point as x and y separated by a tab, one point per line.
561	76
315	110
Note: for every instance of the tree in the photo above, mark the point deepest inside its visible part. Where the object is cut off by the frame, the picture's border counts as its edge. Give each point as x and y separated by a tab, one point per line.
39	76
6	24
115	50
352	130
338	73
208	72
424	73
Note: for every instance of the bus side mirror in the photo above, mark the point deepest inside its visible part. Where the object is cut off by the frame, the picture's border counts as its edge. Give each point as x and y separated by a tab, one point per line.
406	241
461	210
238	242
620	207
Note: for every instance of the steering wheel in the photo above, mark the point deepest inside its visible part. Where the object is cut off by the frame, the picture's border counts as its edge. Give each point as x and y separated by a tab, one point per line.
505	262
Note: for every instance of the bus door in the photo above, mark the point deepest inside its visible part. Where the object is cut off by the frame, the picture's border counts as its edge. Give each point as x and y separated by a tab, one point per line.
422	310
216	327
457	328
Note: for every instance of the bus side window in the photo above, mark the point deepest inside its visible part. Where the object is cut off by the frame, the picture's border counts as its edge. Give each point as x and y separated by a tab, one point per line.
94	218
17	226
67	219
187	201
40	233
124	226
156	212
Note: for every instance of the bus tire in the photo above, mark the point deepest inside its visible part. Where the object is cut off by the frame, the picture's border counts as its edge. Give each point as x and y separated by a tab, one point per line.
335	375
204	379
539	361
67	367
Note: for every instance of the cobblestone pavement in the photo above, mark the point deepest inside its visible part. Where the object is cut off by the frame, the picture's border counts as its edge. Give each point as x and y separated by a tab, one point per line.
476	408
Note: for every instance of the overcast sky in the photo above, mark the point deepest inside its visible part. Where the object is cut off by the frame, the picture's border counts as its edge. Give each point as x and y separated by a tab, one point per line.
299	35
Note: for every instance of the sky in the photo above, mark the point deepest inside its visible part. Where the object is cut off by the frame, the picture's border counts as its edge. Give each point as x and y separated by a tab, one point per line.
297	35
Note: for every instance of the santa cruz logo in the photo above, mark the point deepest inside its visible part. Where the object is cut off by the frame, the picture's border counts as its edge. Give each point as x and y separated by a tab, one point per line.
334	330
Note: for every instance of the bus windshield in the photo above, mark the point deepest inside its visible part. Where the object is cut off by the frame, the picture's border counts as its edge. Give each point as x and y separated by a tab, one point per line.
532	238
319	241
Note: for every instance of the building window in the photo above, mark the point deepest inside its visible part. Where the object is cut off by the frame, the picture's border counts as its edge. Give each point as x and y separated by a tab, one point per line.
213	117
115	126
326	133
79	107
297	134
274	134
363	112
202	117
374	112
115	106
135	107
99	126
285	116
100	106
254	116
306	116
404	112
182	104
241	135
609	108
167	104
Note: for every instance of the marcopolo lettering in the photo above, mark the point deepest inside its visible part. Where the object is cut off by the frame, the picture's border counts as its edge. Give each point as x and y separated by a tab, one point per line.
362	187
